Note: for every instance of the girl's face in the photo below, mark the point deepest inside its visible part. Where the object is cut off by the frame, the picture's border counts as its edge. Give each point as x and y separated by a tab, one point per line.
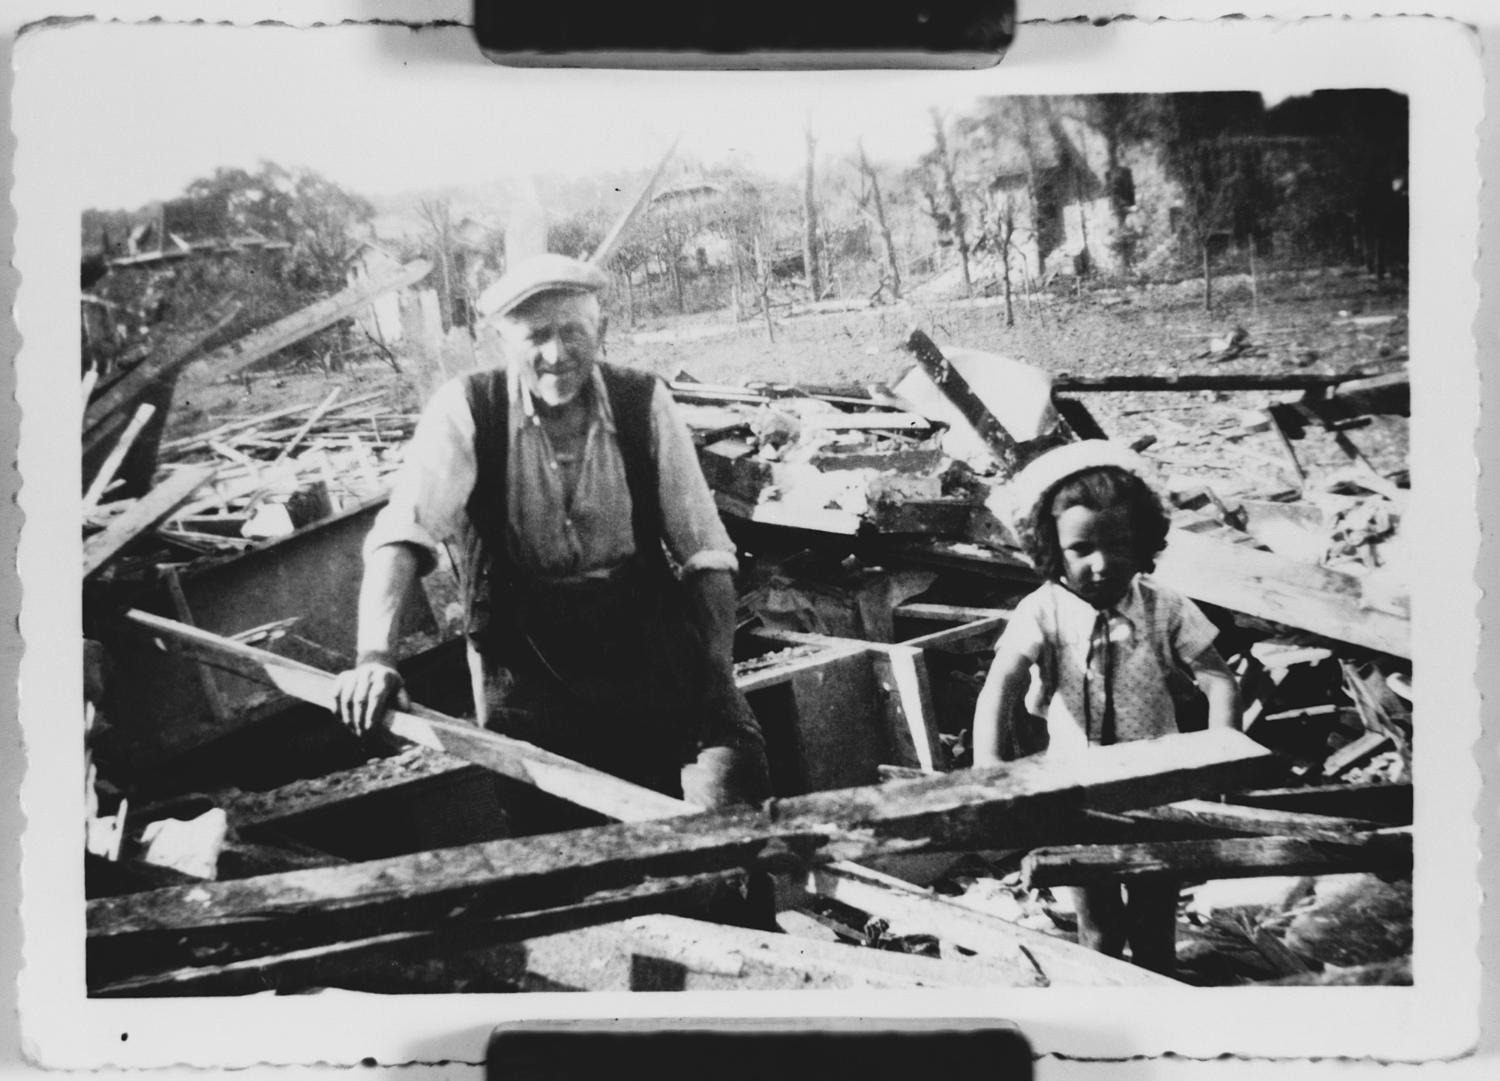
1098	556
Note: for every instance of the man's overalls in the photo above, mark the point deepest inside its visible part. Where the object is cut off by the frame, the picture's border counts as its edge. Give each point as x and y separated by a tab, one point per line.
607	671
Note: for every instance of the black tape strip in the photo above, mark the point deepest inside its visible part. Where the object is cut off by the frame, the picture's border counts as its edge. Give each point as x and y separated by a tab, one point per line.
732	1050
760	34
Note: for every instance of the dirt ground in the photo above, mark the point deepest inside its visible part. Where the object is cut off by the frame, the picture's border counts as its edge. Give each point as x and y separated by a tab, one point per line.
1308	323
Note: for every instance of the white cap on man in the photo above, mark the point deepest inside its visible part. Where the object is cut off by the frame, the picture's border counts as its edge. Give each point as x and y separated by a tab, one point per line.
538	274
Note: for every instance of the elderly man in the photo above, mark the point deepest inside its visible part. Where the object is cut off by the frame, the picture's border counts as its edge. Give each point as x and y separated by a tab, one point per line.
596	572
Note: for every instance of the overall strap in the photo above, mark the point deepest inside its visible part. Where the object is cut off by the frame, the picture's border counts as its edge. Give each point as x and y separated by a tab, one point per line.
487	563
488	395
630	396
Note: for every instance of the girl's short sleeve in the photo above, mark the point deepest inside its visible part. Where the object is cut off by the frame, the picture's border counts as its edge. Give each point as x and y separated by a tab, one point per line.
1192	631
1026	630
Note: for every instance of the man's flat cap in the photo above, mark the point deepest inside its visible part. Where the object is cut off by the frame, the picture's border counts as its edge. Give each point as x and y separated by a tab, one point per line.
540	274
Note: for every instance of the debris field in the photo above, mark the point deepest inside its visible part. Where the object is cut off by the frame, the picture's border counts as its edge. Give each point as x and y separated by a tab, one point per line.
240	841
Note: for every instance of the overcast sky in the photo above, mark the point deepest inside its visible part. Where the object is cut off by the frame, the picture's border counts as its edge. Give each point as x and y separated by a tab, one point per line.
160	106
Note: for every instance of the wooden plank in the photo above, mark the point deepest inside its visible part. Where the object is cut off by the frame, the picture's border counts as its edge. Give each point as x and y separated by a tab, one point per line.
1030	958
279	807
1388	852
912	734
269	340
1389	804
316	415
839	732
1280	590
458	949
990	626
788	671
948	613
206	680
1257	820
957	389
1071	384
671	953
217	434
550	772
147	513
116	458
123	392
1356	753
1015	805
313	574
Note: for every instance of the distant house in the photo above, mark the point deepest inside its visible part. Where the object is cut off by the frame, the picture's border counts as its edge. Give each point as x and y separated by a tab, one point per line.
180	228
706	248
381	319
1082	205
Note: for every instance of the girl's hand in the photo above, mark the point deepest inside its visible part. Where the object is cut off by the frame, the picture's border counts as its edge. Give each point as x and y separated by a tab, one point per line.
1218	684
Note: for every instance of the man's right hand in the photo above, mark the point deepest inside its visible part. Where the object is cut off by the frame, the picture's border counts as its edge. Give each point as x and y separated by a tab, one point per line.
364	693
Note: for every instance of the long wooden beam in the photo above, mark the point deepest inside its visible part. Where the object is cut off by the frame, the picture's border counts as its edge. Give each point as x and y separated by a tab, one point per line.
358	963
837	878
125	390
957	389
1257	820
147	513
1387	852
1015	805
1282	590
269	340
1031	958
1233	576
1388	804
1072	384
550	772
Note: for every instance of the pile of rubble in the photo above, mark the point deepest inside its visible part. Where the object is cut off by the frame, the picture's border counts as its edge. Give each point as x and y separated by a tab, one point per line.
879	570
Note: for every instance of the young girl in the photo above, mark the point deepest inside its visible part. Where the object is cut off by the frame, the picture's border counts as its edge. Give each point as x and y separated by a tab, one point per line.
1089	657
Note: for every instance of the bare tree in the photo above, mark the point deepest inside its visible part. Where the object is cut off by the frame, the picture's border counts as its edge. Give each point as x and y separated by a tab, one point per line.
867	172
946	164
810	223
438	217
1005	241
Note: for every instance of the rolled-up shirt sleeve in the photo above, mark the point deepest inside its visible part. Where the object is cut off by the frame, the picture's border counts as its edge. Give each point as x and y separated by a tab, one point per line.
695	534
429	498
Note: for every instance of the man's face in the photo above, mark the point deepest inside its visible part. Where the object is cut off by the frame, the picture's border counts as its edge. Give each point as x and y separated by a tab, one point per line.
553	340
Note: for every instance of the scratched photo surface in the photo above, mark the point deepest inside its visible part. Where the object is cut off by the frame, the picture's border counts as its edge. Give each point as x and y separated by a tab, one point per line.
868	304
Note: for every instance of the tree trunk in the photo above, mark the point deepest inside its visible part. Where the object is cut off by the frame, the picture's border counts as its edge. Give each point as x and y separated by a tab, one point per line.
1008	229
810	224
1028	151
764	277
1208	278
955	205
1254	280
885	229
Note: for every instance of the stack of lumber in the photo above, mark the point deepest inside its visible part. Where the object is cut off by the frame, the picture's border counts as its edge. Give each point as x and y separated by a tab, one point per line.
256	477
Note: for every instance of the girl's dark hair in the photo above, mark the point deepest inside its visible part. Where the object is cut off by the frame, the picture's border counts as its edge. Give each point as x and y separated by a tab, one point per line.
1100	488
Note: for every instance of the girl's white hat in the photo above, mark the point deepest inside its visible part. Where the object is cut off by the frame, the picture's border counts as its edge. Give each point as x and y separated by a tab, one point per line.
1035	483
